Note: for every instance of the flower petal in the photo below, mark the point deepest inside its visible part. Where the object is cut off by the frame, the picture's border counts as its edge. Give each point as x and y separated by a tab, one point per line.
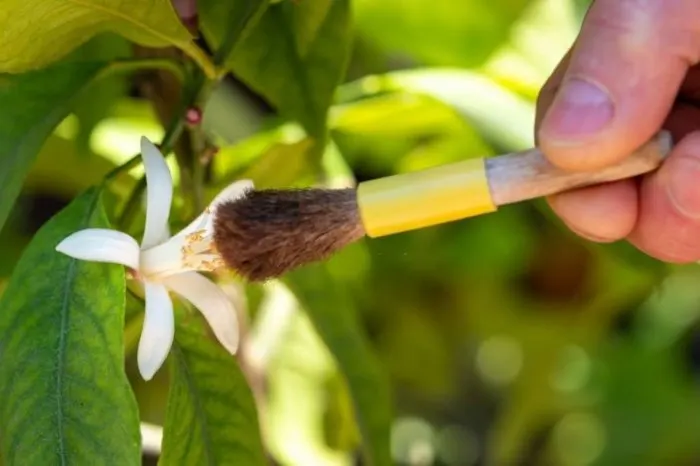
212	302
232	192
102	245
158	330
192	248
163	260
159	195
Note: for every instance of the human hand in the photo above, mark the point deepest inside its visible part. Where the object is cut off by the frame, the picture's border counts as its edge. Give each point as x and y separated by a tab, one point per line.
642	56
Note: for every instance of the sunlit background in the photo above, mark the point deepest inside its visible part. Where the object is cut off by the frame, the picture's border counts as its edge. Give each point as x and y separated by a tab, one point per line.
506	339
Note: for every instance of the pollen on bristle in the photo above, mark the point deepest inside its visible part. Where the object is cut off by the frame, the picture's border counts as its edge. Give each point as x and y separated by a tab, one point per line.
266	233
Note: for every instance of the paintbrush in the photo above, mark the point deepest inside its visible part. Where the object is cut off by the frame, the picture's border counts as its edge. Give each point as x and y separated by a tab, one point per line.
266	233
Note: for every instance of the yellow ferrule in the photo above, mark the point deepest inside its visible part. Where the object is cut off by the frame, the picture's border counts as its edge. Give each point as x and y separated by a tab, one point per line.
421	199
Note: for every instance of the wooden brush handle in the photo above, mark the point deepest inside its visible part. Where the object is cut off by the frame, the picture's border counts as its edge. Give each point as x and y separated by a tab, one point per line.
528	175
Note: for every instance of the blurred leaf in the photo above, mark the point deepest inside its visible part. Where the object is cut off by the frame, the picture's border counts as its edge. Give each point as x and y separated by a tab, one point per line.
294	69
211	417
341	431
338	172
267	172
660	414
61	169
503	118
231	160
36	33
403	131
298	367
582	7
34	103
439	33
428	351
544	331
66	398
280	157
12	240
394	115
538	41
276	158
332	312
93	106
229	20
307	20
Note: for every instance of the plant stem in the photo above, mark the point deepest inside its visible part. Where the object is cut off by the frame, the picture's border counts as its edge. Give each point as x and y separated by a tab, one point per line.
195	92
198	142
236	28
131	204
202	60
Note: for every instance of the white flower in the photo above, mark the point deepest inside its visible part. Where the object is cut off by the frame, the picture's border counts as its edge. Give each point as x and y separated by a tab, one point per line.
164	263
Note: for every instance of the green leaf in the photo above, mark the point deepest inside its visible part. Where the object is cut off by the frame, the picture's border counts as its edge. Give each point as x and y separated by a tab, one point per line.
33	104
266	173
500	115
65	395
227	21
459	33
295	56
537	41
36	33
93	106
334	316
211	416
642	417
259	158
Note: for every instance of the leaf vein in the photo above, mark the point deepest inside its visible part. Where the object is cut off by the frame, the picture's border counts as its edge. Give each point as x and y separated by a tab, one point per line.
61	350
128	19
199	411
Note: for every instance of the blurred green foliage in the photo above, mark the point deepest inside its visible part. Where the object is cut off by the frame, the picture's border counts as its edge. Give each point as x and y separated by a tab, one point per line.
499	340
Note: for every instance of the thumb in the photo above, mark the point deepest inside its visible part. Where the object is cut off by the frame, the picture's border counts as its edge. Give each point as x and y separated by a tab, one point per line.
623	76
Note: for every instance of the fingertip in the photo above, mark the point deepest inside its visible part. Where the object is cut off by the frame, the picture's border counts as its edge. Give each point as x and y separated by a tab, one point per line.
576	132
669	221
682	178
603	213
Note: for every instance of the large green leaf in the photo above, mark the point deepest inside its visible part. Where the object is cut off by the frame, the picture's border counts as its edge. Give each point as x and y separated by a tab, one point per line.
229	19
334	316
93	106
65	395
32	105
265	172
500	115
440	33
211	417
35	33
295	56
663	416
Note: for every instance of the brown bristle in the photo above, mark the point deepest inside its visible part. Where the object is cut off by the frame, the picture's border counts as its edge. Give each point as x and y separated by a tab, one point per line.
270	232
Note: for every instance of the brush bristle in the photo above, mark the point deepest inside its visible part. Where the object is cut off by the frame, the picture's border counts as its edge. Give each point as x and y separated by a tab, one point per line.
267	233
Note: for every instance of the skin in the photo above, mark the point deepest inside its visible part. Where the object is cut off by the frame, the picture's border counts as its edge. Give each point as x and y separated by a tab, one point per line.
643	55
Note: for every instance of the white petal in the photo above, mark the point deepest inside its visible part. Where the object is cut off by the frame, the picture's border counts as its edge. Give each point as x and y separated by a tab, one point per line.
102	245
158	330
162	260
212	302
230	193
159	195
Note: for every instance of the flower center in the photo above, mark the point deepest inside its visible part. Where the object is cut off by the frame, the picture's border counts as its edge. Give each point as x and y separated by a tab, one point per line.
194	251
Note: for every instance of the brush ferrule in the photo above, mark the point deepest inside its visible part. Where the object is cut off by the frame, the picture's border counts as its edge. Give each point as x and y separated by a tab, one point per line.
410	201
